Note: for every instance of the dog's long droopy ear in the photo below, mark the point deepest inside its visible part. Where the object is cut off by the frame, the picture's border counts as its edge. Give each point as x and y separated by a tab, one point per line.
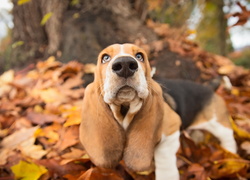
145	131
100	134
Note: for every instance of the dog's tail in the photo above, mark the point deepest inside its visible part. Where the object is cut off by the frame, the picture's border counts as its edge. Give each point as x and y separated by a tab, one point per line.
218	81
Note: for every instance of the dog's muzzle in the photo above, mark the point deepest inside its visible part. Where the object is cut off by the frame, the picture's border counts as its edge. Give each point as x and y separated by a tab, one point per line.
125	66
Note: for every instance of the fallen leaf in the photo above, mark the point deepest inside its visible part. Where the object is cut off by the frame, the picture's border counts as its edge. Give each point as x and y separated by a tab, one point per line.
195	172
12	141
246	146
227	69
28	148
68	137
57	170
100	174
41	119
240	132
28	171
73	116
6	78
229	168
50	95
50	132
74	154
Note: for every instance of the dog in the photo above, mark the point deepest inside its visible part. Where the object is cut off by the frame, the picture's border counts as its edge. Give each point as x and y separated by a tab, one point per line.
126	115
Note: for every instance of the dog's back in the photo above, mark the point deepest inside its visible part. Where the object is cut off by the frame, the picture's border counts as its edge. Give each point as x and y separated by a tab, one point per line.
189	98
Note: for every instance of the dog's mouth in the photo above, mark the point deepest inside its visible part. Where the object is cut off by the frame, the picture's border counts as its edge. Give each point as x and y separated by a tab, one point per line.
126	94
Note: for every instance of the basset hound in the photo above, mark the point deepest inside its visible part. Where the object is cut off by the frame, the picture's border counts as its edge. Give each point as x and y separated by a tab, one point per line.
125	116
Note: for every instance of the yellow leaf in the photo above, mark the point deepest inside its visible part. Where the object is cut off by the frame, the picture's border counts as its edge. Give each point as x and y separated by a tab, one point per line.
48	133
74	2
20	2
16	44
27	171
191	31
240	132
85	156
76	15
73	116
227	167
46	17
38	109
235	92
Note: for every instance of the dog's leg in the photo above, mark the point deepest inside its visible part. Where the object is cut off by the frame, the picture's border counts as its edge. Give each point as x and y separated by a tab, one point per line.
224	134
165	157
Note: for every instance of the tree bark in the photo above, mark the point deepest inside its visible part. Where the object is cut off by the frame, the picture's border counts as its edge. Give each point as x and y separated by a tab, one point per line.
80	31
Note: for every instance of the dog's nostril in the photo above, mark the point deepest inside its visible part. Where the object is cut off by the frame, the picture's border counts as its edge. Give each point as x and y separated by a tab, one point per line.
133	66
117	67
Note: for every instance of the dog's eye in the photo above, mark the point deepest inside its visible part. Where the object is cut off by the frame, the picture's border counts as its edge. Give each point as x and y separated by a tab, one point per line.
139	57
105	58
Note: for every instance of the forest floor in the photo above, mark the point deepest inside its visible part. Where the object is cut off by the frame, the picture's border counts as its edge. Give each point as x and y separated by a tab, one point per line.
40	113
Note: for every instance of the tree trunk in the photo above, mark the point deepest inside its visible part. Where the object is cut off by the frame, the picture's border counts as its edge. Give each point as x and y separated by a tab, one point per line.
79	31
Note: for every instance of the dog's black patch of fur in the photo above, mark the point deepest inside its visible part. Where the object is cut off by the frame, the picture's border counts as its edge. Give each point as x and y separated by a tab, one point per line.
190	97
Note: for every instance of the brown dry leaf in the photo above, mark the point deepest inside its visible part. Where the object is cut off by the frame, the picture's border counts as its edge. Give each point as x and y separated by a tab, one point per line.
28	148
6	78
243	15
57	170
73	87
195	172
246	146
73	82
227	69
41	119
50	63
100	174
68	137
51	95
72	155
12	142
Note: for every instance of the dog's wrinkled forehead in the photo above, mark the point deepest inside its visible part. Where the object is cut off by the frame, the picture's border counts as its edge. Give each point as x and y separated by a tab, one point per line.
117	50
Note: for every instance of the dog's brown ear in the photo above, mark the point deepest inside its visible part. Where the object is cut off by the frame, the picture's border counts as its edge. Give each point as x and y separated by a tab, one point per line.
100	134
144	131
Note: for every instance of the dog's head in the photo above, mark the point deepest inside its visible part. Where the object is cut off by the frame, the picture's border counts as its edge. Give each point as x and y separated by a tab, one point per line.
123	70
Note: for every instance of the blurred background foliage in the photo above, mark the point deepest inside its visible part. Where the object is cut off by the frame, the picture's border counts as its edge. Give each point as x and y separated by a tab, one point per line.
78	29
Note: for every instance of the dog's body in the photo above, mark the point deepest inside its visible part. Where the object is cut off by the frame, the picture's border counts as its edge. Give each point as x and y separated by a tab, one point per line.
199	108
125	115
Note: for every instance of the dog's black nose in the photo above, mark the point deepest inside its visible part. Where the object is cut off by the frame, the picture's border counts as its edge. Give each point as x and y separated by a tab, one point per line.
125	66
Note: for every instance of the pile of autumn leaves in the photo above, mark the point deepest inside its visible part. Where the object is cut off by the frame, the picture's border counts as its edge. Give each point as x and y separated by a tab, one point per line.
40	115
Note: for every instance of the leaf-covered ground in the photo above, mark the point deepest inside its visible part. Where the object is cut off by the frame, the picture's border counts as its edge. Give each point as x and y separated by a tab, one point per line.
40	112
